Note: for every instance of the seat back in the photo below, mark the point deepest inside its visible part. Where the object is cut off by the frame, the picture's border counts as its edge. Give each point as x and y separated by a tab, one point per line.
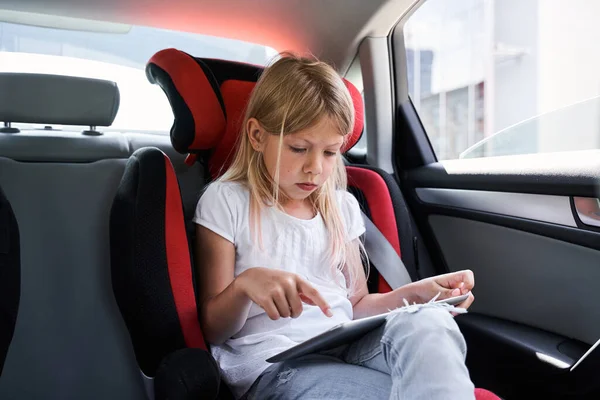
152	271
189	82
69	340
150	259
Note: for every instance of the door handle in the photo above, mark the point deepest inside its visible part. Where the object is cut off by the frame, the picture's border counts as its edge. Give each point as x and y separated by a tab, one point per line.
588	210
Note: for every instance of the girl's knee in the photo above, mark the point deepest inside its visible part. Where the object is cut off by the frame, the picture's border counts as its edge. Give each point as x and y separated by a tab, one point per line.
426	319
422	328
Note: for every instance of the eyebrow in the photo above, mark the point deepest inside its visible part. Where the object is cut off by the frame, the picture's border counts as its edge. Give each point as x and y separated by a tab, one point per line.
328	145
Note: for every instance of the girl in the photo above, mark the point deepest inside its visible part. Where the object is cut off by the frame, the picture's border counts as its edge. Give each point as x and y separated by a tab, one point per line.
278	246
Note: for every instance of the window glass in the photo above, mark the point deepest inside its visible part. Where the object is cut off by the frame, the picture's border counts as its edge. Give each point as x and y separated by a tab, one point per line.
491	78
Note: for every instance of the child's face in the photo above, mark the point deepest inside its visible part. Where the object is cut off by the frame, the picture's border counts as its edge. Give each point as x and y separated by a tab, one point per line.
308	157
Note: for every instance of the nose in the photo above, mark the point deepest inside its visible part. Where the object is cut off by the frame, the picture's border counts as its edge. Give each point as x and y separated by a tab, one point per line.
313	164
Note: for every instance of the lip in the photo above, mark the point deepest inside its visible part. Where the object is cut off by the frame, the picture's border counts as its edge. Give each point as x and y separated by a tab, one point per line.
306	186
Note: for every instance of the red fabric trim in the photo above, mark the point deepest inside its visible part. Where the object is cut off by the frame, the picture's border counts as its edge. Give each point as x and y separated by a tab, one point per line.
236	95
197	93
380	204
358	117
179	264
383	286
482	394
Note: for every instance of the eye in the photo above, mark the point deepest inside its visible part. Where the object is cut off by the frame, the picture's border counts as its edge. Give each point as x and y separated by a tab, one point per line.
330	153
297	149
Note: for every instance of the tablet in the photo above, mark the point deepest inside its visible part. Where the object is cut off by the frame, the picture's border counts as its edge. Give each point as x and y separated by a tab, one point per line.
344	333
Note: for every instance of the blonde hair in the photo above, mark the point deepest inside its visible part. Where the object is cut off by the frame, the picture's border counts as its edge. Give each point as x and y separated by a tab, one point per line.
293	94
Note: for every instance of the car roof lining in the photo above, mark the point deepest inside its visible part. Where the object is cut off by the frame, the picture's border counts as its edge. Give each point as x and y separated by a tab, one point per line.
331	30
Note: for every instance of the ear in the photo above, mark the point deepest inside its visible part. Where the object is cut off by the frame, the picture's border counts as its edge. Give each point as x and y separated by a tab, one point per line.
256	134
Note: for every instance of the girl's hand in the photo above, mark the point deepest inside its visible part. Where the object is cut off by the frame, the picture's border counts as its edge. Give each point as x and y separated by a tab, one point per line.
280	293
448	285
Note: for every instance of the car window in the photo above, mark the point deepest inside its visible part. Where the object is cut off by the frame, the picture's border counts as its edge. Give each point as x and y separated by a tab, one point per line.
120	57
572	128
491	78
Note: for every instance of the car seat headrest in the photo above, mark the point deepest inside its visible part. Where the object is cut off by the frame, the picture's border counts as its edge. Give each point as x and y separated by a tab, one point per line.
55	99
194	96
209	98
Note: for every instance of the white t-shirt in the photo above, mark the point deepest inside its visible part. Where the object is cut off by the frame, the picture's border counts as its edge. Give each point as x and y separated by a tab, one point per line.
290	244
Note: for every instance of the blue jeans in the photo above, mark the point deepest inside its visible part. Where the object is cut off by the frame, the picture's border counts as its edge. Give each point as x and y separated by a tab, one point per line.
413	356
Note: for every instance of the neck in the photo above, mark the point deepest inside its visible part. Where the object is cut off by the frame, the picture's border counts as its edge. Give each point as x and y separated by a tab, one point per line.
299	208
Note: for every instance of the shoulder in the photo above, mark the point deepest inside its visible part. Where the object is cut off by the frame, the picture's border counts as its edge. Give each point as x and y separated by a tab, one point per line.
347	202
351	214
350	210
221	208
225	191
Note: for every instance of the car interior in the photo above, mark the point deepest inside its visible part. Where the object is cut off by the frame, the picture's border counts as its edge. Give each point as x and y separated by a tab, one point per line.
457	157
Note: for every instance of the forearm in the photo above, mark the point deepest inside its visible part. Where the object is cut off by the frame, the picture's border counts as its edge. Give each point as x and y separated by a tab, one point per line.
378	303
223	315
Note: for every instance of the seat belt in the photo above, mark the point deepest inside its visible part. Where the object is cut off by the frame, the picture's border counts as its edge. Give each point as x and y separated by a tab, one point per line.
383	256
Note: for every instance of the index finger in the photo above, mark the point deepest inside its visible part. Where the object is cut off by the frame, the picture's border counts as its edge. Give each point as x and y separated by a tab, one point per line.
313	294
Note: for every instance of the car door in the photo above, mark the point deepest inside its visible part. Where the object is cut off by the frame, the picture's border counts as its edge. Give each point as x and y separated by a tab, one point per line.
498	152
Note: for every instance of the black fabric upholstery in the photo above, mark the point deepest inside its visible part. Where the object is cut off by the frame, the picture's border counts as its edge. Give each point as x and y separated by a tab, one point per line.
140	275
213	82
184	123
225	70
10	276
187	374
